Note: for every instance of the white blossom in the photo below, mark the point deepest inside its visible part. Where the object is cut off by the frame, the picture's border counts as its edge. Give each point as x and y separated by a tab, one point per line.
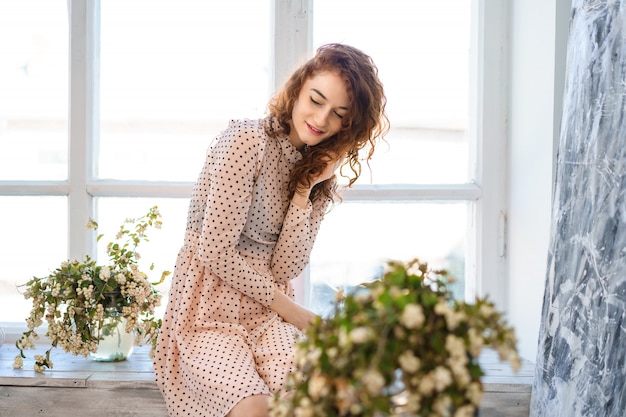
474	393
508	354
332	352
458	366
427	385
56	290
27	343
442	377
412	316
465	411
397	292
18	362
443	406
442	308
413	404
409	362
453	318
312	357
346	395
105	273
373	381
88	292
455	346
361	335
39	363
305	409
120	278
486	310
318	386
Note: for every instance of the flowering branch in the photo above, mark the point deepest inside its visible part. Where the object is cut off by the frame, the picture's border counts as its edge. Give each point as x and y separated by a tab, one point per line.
72	299
397	346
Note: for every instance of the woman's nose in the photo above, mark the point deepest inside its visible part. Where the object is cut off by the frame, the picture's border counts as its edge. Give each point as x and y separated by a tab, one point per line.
321	118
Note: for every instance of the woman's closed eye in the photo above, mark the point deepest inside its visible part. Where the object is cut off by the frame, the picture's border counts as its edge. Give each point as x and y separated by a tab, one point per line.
319	103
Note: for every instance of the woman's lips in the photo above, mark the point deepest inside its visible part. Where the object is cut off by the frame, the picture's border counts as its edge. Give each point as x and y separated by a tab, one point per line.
313	130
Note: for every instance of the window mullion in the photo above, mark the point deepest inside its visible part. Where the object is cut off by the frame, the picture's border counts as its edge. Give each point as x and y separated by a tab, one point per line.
22	188
489	130
292	31
84	36
358	193
412	192
292	40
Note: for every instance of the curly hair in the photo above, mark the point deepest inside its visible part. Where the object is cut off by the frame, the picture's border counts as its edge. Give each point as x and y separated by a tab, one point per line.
365	122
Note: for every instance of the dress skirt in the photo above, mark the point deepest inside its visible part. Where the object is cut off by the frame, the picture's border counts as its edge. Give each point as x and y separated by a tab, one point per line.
218	346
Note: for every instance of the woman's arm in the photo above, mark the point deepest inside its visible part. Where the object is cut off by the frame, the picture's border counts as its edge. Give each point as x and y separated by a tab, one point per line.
290	311
299	230
226	183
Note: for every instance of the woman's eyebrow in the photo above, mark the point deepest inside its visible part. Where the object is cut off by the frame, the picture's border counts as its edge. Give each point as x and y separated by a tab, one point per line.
324	97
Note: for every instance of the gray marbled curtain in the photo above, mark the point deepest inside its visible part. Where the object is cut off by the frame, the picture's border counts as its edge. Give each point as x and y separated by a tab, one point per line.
582	343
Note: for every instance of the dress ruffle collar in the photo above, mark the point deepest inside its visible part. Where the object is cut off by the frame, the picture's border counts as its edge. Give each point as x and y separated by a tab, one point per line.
274	129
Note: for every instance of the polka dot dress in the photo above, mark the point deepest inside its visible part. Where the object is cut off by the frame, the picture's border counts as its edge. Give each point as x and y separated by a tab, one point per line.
220	342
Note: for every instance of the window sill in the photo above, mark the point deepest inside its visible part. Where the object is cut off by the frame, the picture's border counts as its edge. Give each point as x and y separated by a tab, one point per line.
78	386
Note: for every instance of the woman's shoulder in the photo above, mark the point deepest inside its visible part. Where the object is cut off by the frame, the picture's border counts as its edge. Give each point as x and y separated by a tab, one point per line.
245	135
242	131
242	135
246	125
268	126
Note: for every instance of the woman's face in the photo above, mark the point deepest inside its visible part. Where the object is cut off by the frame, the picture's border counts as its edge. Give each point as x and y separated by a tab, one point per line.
318	111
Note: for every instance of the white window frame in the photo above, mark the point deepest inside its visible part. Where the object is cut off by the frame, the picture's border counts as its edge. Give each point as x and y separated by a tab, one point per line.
487	133
292	40
488	128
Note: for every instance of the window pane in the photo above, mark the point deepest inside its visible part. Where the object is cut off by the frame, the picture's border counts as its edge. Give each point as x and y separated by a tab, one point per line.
173	73
164	244
34	242
356	240
33	89
422	51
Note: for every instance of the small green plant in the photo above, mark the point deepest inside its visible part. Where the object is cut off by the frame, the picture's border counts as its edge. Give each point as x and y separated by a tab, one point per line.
73	298
397	346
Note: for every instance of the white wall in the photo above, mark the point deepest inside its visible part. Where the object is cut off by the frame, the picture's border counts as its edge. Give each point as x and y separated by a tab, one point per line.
538	37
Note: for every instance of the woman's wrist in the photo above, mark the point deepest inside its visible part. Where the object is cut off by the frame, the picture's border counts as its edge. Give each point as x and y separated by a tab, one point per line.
301	199
290	311
281	302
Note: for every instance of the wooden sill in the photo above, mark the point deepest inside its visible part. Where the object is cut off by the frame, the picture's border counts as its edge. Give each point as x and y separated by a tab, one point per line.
78	386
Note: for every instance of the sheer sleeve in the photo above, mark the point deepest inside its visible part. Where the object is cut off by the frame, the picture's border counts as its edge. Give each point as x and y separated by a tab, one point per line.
295	242
227	181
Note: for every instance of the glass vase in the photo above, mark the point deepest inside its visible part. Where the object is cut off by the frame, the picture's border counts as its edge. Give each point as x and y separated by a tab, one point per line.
115	343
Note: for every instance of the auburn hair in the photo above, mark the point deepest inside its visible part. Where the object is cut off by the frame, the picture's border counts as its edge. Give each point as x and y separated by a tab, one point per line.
364	123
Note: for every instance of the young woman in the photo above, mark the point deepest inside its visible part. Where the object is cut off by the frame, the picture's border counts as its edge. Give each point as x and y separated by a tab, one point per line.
231	323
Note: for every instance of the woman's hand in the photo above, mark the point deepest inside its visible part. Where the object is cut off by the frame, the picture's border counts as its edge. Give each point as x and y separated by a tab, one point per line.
291	312
328	171
301	197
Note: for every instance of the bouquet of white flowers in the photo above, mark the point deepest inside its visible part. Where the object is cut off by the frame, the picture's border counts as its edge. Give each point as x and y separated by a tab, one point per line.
74	298
397	346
